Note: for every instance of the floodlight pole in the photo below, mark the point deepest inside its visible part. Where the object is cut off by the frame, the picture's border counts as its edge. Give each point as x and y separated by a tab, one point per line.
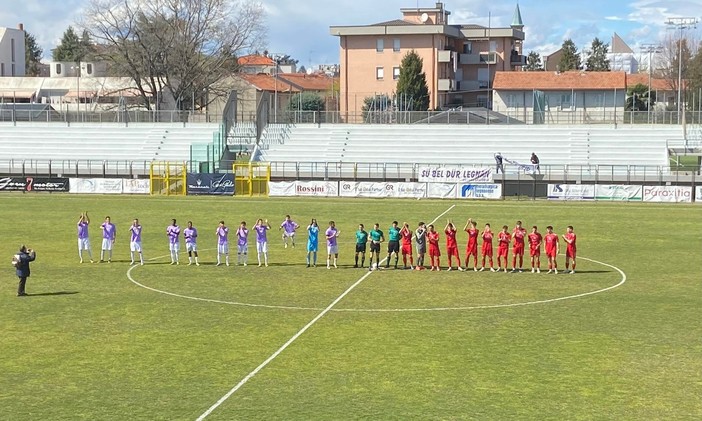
650	49
681	24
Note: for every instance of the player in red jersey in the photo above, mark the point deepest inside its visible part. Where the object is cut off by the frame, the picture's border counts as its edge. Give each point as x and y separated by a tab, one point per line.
487	247
452	245
406	235
552	249
472	246
569	238
518	235
504	238
535	249
434	253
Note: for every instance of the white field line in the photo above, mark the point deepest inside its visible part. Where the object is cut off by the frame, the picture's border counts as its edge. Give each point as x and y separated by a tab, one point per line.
293	338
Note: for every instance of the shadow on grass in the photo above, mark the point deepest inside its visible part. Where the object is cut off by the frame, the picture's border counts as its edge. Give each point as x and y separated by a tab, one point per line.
47	294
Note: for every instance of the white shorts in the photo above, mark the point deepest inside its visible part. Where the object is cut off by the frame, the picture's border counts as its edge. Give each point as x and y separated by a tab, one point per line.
223	248
262	247
191	246
333	249
289	234
174	247
84	244
242	249
106	244
135	246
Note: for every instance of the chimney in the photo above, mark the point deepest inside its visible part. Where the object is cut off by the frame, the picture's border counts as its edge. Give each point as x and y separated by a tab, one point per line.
20	26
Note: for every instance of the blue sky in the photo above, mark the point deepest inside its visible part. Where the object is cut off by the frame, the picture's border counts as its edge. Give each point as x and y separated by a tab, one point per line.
301	28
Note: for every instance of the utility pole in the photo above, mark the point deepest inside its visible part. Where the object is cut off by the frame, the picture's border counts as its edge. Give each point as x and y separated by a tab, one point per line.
650	49
681	24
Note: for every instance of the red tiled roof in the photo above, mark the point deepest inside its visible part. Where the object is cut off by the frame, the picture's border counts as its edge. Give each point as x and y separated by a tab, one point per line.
313	82
264	82
656	84
551	81
255	60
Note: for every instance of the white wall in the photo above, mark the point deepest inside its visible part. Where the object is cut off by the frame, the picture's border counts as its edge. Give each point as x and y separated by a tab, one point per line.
8	37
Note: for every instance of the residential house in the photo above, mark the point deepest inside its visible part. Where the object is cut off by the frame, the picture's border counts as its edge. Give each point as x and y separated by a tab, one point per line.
553	60
12	51
621	56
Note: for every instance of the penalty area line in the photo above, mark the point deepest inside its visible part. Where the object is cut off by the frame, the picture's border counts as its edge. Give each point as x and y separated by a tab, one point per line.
294	337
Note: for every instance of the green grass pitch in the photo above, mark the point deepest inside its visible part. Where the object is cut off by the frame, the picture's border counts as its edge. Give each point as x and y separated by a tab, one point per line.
90	344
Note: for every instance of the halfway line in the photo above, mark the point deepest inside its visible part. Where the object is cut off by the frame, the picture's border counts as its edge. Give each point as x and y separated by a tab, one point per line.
293	338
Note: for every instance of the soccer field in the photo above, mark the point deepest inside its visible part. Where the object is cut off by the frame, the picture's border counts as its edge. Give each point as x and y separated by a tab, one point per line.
620	339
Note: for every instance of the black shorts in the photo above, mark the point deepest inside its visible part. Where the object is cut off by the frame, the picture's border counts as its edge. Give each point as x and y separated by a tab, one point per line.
375	247
393	246
360	247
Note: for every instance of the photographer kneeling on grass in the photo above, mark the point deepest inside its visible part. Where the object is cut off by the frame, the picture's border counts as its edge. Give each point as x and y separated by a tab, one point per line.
21	263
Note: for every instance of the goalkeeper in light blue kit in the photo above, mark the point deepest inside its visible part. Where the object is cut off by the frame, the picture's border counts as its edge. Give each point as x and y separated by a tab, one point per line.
312	242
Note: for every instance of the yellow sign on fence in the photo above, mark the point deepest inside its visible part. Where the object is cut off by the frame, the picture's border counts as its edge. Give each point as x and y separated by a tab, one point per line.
168	178
252	178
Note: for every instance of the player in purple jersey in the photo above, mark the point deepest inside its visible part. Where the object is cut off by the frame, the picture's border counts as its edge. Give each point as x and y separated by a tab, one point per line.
173	233
242	244
332	246
288	226
83	237
222	233
135	241
262	240
190	235
109	235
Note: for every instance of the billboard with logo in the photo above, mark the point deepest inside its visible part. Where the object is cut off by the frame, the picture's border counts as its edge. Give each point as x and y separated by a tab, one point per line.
34	184
382	189
681	194
617	192
454	174
480	191
571	191
317	188
698	194
210	184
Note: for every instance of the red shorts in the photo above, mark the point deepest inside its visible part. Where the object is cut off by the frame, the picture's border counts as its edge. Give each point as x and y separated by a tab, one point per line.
502	251
518	249
451	250
472	249
534	251
551	252
434	251
487	251
570	252
407	248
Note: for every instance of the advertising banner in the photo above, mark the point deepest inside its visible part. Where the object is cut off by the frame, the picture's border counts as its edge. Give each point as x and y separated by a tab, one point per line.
480	191
455	174
34	184
281	188
571	191
96	185
317	188
698	194
616	192
667	194
136	186
411	190
210	184
442	191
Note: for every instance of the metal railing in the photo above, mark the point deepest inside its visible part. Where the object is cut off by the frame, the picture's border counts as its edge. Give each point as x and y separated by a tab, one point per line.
20	116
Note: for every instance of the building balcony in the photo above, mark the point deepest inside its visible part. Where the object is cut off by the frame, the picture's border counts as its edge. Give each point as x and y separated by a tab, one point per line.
517	60
447	85
475	85
445	56
469	59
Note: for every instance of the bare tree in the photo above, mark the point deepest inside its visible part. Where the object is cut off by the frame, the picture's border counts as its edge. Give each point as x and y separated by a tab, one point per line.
668	63
182	47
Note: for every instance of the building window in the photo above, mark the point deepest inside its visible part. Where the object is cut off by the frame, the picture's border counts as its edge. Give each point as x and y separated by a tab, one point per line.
512	101
13	70
12	48
493	46
89	68
395	73
58	68
566	101
379	45
396	44
379	73
468	47
482	101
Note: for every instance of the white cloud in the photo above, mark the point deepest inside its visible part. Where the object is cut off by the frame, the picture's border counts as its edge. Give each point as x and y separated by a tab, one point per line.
613	18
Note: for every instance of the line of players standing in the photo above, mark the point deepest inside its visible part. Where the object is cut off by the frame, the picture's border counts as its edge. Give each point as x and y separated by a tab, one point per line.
422	236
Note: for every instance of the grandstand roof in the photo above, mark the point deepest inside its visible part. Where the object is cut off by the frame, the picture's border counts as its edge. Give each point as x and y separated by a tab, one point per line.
551	81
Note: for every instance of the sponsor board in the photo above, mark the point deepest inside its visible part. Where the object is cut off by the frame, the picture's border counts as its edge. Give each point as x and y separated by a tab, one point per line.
698	194
618	192
210	184
281	188
411	190
455	174
571	191
667	194
136	186
96	186
480	191
303	188
442	190
34	184
382	189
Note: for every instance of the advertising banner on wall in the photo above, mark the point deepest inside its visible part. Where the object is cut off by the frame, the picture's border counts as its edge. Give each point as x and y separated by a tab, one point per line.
571	191
698	194
682	194
303	188
480	191
281	188
442	190
455	174
96	185
617	192
34	184
382	189
210	184
411	190
136	186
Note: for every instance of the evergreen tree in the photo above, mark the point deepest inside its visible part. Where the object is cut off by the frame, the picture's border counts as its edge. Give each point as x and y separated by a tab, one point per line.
32	55
412	84
534	62
597	60
306	101
570	60
694	79
70	47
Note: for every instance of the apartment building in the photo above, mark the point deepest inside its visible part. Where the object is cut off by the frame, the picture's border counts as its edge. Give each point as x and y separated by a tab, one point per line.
12	51
459	60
